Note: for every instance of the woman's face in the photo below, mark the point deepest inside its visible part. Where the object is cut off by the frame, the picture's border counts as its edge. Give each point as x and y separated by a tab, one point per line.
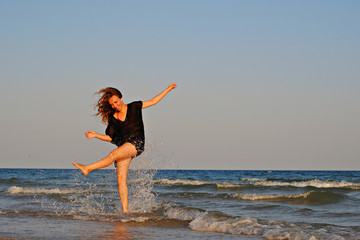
116	102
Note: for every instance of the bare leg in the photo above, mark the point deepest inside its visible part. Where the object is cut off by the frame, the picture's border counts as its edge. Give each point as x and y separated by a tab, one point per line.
126	150
122	171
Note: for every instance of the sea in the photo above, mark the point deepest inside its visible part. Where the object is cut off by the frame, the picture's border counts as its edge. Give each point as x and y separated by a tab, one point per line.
180	204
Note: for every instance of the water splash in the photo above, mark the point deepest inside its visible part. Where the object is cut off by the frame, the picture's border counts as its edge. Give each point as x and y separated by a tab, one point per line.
140	184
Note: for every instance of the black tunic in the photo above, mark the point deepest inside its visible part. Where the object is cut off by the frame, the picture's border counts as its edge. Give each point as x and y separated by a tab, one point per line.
131	130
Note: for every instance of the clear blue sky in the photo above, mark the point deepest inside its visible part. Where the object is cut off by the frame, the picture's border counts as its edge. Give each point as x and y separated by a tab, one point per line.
261	84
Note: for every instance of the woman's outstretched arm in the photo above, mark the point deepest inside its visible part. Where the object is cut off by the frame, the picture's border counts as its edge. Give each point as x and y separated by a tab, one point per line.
92	134
157	98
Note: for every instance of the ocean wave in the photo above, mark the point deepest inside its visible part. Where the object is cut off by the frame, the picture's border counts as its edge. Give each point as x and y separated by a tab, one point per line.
261	197
22	190
184	214
312	197
19	181
195	183
255	182
270	230
230	185
10	180
181	182
201	220
310	183
252	179
193	195
231	225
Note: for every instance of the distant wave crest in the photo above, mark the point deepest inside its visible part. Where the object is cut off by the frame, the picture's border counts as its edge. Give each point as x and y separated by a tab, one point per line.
181	182
22	190
311	197
310	183
263	183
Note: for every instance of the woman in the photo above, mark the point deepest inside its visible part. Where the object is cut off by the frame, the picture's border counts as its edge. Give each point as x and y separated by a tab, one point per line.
125	129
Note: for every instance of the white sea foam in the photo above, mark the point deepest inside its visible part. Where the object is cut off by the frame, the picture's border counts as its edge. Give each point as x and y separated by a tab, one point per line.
229	185
22	190
201	220
311	183
184	214
270	230
136	219
243	226
275	234
252	179
262	182
181	182
260	197
214	222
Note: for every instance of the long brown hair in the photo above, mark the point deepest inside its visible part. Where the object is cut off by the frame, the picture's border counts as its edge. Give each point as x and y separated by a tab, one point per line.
103	106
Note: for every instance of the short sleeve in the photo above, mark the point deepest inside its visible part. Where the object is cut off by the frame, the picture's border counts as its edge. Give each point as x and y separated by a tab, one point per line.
138	104
110	130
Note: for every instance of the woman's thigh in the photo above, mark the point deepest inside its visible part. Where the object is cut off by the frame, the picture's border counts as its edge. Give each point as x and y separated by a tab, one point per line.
127	150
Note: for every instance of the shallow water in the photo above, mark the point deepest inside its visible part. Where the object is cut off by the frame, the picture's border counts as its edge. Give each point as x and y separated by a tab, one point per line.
191	204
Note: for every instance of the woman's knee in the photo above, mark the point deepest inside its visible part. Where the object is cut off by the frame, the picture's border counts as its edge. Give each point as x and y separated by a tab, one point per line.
111	156
129	150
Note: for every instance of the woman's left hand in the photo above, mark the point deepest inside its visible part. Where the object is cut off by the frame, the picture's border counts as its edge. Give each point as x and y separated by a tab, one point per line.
90	134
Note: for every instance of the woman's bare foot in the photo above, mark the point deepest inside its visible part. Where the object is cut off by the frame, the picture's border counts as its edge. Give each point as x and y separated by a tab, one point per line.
81	167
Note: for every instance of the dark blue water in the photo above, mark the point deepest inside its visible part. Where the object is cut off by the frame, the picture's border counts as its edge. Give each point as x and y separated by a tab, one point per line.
192	204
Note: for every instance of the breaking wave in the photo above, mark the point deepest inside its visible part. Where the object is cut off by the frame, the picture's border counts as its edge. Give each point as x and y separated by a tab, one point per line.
181	182
204	221
254	182
200	220
312	197
310	183
224	203
22	190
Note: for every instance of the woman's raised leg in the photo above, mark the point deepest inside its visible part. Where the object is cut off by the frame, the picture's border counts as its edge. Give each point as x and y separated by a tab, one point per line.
122	171
126	150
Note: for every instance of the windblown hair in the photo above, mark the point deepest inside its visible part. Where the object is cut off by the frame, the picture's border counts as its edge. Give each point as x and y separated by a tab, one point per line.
103	106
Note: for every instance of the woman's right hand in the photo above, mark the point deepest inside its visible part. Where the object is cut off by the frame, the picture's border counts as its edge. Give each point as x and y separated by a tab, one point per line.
172	86
90	134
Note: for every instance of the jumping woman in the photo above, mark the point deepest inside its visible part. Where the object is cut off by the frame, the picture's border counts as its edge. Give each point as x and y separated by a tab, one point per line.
125	129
